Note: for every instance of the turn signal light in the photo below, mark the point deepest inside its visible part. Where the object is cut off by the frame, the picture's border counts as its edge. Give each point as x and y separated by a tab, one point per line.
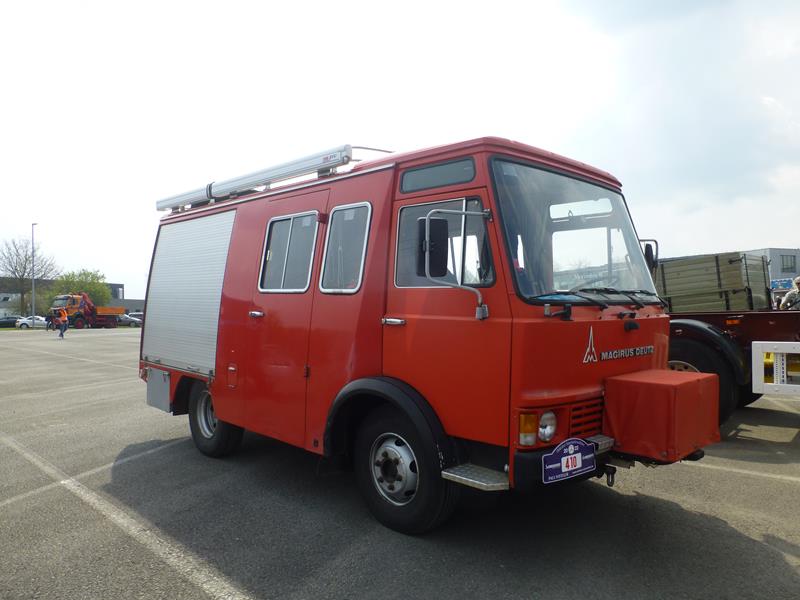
528	427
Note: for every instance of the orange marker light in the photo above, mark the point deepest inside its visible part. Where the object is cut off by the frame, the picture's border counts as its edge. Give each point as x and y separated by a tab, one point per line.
528	426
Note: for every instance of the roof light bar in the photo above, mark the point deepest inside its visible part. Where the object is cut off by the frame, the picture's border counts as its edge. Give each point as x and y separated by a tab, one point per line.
321	163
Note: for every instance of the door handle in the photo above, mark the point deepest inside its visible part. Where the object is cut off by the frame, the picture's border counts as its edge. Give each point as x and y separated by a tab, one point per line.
392	321
256	314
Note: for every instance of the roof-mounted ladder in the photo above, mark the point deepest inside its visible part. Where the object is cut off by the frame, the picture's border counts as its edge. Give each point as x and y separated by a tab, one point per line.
322	163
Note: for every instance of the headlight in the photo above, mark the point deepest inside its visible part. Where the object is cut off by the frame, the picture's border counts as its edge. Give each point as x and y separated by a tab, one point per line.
547	426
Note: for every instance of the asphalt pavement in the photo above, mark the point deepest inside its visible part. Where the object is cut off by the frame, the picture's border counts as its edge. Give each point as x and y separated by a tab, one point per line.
104	497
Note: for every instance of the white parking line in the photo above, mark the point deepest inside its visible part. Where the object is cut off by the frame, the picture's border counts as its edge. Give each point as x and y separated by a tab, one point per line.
789	478
62	356
180	559
91	472
57	411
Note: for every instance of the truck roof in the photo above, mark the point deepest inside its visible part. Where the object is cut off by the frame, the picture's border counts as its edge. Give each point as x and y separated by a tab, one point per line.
493	144
403	160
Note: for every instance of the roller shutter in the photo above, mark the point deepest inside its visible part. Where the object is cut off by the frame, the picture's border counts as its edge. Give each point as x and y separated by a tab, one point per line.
184	293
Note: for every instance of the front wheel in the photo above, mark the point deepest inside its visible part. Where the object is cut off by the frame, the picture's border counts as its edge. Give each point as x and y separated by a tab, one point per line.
211	436
23	326
399	476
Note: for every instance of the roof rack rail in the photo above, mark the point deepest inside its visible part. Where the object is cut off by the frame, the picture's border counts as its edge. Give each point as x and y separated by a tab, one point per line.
322	163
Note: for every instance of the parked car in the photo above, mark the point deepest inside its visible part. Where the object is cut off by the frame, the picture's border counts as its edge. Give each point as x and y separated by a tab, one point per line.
129	320
25	322
9	321
137	315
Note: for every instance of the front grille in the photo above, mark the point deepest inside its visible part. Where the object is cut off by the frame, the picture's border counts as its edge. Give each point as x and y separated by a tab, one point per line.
586	418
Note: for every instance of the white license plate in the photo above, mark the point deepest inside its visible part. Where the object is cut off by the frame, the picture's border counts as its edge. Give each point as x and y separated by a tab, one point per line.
571	462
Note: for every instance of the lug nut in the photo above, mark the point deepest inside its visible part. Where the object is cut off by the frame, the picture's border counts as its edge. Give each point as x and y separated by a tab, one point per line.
380	479
391	487
385	454
398	478
396	461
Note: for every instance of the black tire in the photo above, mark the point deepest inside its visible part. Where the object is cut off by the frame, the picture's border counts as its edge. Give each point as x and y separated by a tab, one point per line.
398	474
80	323
747	396
689	355
211	436
23	326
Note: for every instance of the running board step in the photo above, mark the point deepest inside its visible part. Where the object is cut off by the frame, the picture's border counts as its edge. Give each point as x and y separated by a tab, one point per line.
477	477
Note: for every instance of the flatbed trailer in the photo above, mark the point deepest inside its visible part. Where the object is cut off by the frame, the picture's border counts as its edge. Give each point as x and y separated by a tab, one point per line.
721	343
719	304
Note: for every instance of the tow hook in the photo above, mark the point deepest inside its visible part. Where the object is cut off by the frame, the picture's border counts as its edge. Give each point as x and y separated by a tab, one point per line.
610	473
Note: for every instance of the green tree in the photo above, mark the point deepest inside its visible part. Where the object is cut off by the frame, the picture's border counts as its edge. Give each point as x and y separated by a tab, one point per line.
16	263
75	282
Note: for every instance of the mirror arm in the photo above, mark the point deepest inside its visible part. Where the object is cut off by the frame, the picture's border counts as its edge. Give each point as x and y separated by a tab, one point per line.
481	311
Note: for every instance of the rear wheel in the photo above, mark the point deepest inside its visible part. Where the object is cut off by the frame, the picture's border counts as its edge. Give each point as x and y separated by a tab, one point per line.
211	436
80	323
23	326
689	355
399	475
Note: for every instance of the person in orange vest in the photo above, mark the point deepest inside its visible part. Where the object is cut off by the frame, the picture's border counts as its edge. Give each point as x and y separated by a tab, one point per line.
62	315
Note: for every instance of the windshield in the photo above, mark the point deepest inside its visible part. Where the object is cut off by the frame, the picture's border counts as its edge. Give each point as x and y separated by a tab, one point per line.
60	301
566	235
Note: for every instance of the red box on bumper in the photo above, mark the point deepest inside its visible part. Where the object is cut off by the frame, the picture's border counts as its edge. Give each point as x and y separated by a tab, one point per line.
662	415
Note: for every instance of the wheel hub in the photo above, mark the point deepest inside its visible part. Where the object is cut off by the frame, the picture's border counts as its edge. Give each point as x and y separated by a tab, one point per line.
394	468
679	365
206	418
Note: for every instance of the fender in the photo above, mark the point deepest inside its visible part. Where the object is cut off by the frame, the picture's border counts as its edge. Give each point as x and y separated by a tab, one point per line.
709	335
395	393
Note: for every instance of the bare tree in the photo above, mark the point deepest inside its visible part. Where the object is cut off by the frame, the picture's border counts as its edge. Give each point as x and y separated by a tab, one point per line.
16	264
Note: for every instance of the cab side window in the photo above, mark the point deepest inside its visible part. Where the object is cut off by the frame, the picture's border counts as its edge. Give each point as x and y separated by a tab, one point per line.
469	260
288	252
345	249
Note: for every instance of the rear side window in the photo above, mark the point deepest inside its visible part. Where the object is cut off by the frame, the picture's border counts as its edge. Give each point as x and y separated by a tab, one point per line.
469	260
449	173
345	249
288	252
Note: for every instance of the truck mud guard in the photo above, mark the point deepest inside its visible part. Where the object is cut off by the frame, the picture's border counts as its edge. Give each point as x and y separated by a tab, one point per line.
710	335
358	395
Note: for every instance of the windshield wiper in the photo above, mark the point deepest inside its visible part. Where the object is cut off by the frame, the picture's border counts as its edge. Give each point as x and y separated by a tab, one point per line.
576	293
648	293
594	301
610	290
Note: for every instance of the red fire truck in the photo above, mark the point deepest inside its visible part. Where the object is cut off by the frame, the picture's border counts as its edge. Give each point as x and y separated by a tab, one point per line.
475	314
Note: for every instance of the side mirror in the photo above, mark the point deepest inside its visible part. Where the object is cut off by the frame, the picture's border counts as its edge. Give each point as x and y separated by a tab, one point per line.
437	247
650	249
650	257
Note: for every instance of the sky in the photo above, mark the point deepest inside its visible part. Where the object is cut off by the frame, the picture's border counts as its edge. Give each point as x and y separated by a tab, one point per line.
108	107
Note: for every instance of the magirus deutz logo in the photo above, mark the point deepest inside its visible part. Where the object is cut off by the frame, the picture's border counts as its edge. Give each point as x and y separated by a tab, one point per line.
591	356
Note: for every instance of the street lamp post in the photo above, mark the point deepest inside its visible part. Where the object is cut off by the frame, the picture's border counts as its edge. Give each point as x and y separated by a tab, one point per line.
33	278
